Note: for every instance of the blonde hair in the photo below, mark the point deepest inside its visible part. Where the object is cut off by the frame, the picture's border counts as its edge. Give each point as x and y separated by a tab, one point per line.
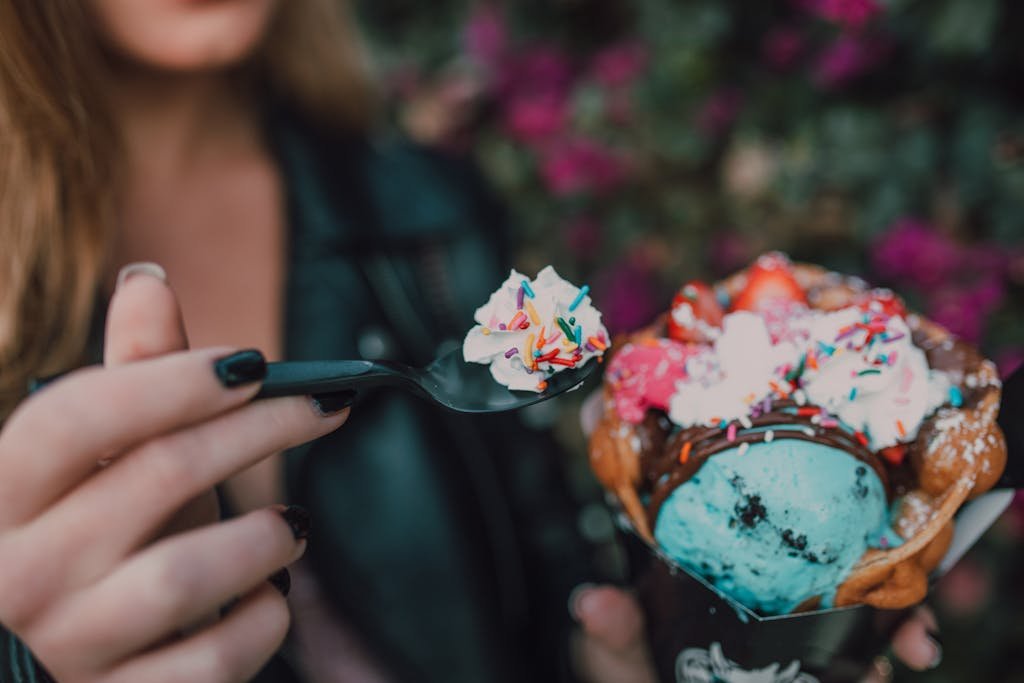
58	160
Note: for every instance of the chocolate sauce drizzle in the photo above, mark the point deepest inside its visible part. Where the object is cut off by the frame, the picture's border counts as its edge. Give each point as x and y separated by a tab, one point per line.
664	470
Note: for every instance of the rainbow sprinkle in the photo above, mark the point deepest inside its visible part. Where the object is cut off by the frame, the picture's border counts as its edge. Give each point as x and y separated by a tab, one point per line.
584	290
565	327
547	357
511	352
519	298
684	452
956	397
528	289
731	432
534	318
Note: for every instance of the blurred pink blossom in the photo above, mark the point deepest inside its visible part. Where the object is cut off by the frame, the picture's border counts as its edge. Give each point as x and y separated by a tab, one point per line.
619	64
1008	361
582	237
581	165
485	35
535	117
538	69
782	47
953	309
629	296
719	111
851	14
845	59
912	251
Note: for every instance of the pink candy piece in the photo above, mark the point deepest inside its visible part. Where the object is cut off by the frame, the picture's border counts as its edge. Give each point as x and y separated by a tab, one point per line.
644	375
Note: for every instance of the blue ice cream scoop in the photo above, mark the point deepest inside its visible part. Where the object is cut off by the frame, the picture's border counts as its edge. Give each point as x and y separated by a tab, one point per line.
782	522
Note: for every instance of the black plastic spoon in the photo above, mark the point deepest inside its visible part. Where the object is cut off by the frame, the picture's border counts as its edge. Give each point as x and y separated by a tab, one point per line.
448	381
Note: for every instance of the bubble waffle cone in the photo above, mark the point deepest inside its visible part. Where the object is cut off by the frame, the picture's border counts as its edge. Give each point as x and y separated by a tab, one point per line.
959	451
959	454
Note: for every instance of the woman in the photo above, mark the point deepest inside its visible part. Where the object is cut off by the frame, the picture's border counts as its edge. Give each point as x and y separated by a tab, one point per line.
225	139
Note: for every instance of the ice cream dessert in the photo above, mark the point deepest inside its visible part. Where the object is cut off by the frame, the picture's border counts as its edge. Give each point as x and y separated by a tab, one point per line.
798	439
531	329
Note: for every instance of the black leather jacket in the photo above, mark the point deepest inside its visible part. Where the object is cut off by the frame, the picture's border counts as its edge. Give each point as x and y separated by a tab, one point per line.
448	540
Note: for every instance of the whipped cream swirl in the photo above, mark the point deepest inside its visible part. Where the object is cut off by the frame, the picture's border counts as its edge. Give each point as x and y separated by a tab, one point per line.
860	367
531	329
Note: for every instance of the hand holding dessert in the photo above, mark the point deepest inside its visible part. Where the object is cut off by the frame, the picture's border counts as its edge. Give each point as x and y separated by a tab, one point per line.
96	468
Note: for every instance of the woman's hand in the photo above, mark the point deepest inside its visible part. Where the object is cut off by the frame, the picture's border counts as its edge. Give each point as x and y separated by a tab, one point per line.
89	579
610	645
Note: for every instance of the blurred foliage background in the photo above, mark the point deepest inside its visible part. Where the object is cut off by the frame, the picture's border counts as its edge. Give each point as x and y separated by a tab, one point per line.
640	144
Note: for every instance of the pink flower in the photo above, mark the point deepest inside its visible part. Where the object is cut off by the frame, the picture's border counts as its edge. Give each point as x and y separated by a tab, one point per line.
534	117
484	37
846	59
954	309
581	166
912	251
620	64
629	296
1009	361
540	69
582	237
782	47
719	111
851	14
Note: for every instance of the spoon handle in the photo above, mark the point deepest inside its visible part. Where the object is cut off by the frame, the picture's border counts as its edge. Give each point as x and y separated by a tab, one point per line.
296	378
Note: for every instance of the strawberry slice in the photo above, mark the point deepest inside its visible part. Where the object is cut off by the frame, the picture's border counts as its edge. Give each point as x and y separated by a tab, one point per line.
894	455
881	301
769	280
696	313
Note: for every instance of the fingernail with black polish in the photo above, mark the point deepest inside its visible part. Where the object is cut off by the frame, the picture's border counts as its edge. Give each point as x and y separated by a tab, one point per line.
299	520
241	368
282	581
329	404
937	642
